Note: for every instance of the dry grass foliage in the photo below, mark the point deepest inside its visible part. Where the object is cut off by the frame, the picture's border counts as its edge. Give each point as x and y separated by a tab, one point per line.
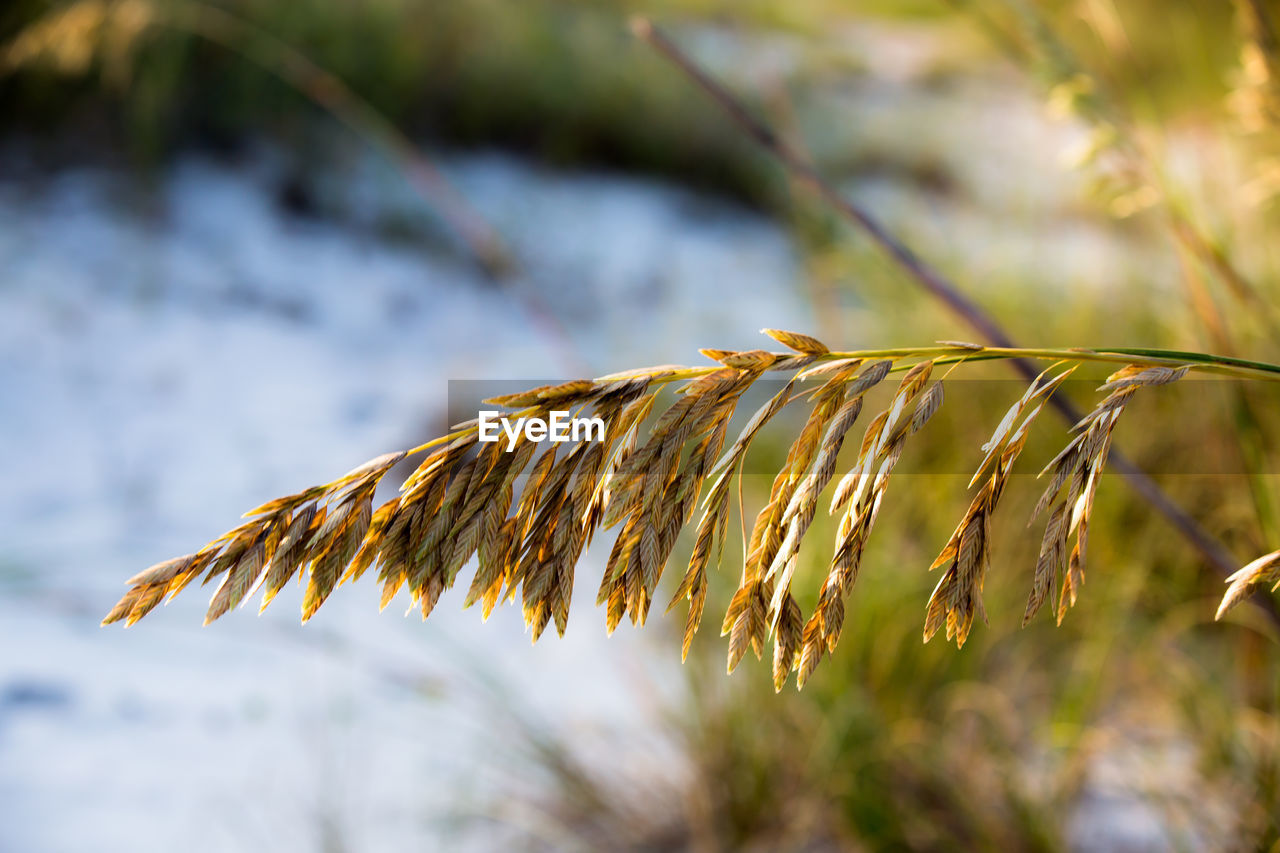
462	501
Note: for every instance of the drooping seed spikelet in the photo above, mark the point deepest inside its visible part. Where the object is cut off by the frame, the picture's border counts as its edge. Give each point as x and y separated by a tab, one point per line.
1264	570
523	514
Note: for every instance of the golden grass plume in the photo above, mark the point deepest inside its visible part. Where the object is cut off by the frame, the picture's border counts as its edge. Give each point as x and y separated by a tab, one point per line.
462	501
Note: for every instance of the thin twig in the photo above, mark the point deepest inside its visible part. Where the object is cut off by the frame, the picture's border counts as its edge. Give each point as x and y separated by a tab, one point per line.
905	358
936	284
331	94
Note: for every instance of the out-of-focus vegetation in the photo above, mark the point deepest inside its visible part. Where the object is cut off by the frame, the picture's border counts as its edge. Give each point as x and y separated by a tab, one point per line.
1011	742
560	79
1137	709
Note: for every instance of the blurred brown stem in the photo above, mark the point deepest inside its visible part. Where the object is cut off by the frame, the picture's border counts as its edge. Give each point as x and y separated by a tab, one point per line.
942	289
335	97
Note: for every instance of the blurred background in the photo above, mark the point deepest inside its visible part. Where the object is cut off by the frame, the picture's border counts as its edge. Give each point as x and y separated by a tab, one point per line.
245	245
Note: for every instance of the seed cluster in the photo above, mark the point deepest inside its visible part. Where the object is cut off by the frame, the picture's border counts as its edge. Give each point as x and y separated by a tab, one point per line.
462	502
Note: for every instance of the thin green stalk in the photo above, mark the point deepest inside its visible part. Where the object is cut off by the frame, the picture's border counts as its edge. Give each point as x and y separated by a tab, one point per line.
1197	362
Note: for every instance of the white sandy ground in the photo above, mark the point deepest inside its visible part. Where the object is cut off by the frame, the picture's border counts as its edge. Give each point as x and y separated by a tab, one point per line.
164	369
